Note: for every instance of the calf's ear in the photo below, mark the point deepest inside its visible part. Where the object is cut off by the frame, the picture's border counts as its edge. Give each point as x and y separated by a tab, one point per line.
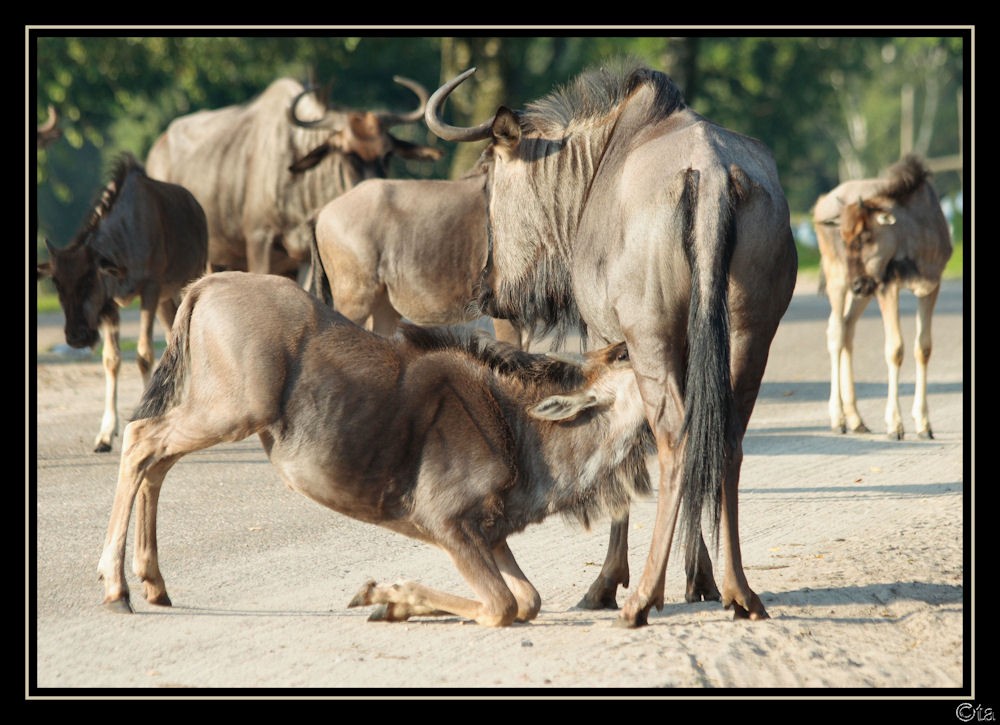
563	407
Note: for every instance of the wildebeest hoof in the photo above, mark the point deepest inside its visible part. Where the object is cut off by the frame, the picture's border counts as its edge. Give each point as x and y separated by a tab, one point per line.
162	600
895	435
364	595
926	435
119	606
102	447
603	601
702	594
379	614
861	428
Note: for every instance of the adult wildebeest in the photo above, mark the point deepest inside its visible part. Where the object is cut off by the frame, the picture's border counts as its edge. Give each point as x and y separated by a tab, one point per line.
458	441
393	248
615	206
877	236
262	170
144	237
49	132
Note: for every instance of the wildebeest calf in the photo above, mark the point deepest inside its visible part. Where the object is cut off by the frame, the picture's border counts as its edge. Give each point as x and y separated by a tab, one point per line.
877	236
145	238
455	440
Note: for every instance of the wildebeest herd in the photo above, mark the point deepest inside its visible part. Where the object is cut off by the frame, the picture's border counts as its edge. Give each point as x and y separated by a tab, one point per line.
608	208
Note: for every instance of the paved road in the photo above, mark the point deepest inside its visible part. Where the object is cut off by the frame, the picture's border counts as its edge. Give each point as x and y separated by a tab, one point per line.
855	544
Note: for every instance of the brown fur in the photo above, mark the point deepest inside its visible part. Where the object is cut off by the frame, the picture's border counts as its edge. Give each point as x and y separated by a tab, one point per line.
454	440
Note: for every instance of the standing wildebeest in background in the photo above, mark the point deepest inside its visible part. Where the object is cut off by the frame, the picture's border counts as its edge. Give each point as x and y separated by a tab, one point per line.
413	248
876	236
49	132
146	238
262	172
457	441
614	206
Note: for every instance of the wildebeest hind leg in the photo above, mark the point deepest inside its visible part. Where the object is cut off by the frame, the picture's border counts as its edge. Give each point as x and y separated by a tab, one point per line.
736	591
602	593
700	579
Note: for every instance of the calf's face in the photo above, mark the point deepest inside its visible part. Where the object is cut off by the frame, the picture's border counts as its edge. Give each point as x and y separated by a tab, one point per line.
870	240
77	274
611	389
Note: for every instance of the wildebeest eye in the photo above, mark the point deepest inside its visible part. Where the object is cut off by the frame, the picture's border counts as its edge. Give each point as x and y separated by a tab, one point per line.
622	355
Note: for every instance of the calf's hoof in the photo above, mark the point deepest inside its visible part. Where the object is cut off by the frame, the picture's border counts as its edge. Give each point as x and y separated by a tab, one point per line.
119	606
102	447
364	595
926	435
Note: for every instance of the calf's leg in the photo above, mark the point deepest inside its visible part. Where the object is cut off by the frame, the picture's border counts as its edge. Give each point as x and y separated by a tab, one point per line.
922	353
496	607
111	359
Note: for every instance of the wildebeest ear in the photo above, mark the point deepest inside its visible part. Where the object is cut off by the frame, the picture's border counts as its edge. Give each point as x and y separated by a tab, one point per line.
563	407
506	129
310	159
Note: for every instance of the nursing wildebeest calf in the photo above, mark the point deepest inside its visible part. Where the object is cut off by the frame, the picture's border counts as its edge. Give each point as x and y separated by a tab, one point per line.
614	205
413	248
145	237
877	236
455	441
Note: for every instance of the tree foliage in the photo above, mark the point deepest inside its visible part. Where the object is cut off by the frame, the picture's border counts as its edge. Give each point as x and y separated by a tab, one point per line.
828	107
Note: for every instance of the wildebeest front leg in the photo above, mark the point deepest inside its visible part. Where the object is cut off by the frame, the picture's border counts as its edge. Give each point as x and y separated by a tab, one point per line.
145	353
922	353
888	302
111	359
497	606
603	592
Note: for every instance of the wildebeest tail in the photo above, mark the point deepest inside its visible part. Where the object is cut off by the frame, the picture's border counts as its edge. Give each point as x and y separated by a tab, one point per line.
708	395
167	382
320	283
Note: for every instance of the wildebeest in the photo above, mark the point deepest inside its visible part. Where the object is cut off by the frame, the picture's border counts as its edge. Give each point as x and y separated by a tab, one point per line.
413	248
262	170
144	237
876	236
457	441
49	132
615	206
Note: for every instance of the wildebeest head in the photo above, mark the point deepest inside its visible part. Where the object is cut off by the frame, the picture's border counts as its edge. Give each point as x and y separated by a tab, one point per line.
80	277
362	137
542	161
526	281
865	226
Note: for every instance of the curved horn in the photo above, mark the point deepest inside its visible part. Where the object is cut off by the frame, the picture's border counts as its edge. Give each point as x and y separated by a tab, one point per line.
51	122
453	133
392	119
325	121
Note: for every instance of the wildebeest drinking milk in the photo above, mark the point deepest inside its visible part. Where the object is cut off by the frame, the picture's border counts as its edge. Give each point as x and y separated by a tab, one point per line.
458	441
613	205
144	238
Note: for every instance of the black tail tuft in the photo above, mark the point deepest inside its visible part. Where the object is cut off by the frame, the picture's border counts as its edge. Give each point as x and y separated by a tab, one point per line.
708	396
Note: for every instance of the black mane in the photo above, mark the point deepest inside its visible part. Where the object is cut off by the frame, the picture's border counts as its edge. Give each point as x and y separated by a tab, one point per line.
596	92
123	165
499	357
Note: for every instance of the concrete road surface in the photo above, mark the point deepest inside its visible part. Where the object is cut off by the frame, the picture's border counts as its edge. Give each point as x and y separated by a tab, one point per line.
857	545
